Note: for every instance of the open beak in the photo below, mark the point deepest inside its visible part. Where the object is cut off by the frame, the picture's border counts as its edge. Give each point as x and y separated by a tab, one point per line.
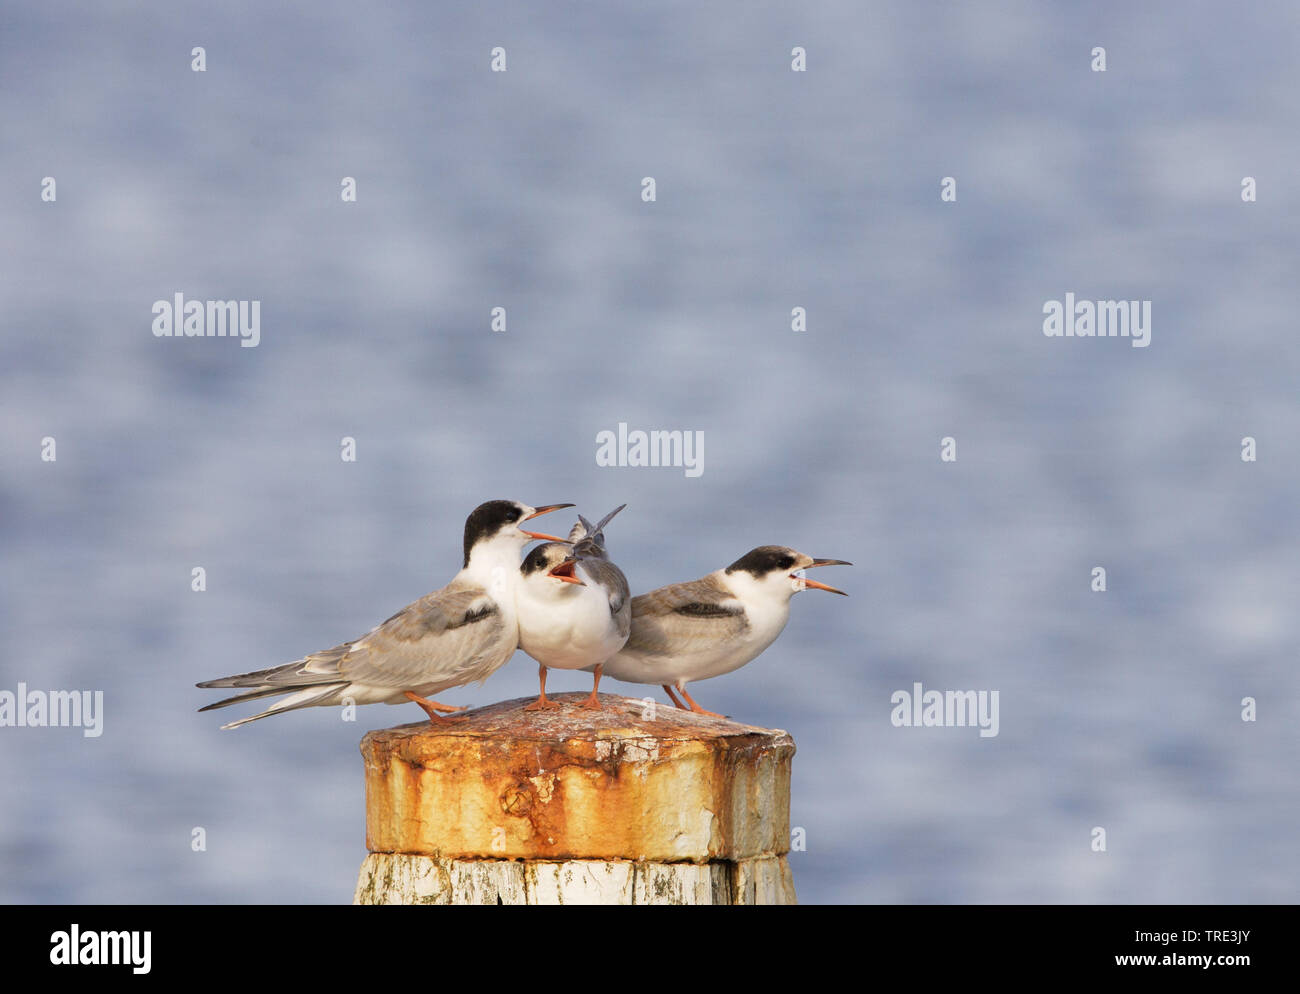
818	586
565	572
822	586
542	536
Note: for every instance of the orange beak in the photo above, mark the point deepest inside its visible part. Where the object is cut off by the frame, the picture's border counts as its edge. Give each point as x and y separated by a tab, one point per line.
818	586
542	536
565	572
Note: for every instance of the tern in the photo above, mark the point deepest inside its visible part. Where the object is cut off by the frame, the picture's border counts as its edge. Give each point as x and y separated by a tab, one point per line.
453	636
704	628
574	606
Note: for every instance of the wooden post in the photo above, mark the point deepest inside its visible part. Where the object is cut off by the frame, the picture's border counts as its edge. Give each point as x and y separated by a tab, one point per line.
639	803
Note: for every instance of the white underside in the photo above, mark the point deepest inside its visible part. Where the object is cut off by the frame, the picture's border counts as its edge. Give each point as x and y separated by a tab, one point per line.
564	626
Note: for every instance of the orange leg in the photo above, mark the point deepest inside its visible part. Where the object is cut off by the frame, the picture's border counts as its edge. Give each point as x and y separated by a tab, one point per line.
431	708
541	703
668	689
593	702
695	707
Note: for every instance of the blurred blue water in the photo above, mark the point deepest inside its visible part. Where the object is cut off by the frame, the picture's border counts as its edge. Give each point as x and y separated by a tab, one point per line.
775	190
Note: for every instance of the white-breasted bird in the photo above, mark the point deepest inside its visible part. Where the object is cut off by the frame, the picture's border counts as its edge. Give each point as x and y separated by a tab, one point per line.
707	627
574	606
453	636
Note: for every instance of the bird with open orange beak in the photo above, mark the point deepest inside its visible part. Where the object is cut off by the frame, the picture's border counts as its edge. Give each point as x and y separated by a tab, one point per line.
459	634
574	606
704	628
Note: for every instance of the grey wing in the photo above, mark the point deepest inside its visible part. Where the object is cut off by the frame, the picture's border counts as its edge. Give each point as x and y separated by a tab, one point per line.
318	669
447	638
612	579
682	616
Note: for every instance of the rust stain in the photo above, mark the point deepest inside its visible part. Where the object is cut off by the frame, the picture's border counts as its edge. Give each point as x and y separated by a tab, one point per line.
572	783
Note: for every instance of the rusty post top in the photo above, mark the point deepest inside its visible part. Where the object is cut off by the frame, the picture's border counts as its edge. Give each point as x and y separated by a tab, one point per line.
631	781
619	718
